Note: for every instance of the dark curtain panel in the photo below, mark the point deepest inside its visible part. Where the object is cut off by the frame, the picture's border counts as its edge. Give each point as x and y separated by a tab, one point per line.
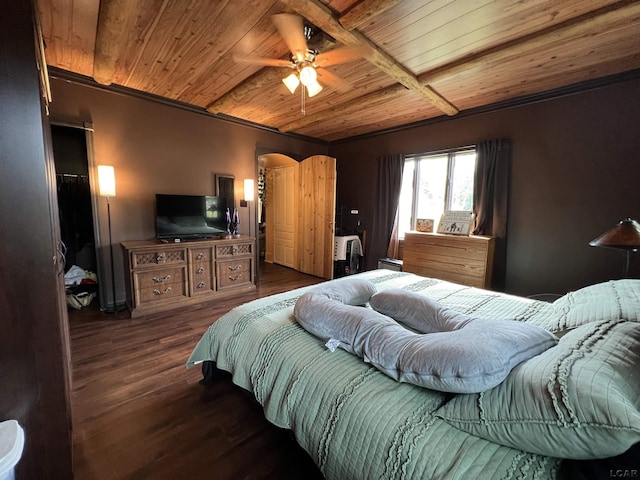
385	206
491	192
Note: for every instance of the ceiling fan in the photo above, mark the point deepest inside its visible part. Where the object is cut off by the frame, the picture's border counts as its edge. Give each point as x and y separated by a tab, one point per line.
308	64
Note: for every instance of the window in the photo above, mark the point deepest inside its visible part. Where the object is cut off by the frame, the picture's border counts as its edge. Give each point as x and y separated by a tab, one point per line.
434	183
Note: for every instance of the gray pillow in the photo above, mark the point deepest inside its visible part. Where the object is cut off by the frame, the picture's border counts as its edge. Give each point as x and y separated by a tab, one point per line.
474	358
417	312
471	355
578	400
332	311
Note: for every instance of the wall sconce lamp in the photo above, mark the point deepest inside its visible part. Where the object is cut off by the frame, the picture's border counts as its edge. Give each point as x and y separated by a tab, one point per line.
249	187
624	236
107	188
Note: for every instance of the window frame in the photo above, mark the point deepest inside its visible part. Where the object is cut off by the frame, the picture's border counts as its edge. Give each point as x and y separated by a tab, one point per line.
417	158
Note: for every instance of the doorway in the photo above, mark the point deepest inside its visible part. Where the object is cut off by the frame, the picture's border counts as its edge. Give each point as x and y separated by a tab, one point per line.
298	221
277	209
76	215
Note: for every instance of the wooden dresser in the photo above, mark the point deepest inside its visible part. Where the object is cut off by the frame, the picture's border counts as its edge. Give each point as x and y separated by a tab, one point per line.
162	276
458	259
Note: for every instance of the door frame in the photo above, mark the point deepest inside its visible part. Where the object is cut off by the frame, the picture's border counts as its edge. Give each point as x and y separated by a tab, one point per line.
270	161
263	151
99	245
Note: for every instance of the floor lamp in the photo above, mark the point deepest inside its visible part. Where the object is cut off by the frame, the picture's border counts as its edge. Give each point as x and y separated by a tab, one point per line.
624	236
107	187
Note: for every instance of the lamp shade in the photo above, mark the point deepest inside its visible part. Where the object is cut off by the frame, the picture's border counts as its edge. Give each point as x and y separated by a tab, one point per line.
313	89
248	189
308	75
291	81
625	235
106	181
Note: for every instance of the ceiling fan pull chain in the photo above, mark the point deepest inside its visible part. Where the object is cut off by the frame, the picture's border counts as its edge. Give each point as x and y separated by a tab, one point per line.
302	101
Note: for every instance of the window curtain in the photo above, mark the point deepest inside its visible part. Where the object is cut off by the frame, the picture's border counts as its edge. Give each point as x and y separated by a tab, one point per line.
385	207
393	251
490	196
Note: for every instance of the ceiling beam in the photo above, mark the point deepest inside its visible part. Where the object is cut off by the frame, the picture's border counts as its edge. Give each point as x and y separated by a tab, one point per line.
323	17
262	78
110	38
364	11
356	104
581	26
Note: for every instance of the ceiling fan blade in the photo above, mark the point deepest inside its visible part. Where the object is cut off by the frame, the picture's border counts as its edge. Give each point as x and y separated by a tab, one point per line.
332	80
269	62
337	56
291	29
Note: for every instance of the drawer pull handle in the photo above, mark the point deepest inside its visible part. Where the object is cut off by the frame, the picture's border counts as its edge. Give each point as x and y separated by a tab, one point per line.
200	270
161	292
200	256
161	258
233	278
163	279
233	269
202	285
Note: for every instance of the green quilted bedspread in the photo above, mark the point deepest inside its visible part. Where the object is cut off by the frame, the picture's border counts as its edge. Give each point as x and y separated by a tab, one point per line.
355	422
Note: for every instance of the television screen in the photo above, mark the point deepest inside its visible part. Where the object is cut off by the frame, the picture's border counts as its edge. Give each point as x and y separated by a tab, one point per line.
190	216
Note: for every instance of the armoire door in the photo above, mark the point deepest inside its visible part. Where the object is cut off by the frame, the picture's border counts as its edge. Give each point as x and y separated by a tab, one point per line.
34	340
316	215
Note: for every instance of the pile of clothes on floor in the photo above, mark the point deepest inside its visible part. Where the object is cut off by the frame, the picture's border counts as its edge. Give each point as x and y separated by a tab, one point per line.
81	287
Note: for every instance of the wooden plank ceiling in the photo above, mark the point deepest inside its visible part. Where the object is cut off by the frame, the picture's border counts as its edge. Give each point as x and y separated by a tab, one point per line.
417	59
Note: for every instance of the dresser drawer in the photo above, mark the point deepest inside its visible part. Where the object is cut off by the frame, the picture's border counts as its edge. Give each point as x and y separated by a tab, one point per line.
459	259
200	255
233	272
201	271
161	293
160	285
201	280
234	250
158	257
158	277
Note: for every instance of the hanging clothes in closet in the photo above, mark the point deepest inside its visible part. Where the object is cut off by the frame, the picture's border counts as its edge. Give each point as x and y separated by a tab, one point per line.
76	220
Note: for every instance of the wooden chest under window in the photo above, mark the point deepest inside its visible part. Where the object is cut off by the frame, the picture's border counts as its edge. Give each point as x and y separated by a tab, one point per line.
458	259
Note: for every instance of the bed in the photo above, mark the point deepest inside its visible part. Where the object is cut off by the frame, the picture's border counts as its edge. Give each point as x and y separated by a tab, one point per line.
573	408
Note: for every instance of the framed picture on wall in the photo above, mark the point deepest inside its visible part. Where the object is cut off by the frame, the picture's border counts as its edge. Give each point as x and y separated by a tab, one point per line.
225	188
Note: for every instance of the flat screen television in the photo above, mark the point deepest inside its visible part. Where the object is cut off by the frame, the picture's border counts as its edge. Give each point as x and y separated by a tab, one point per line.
190	216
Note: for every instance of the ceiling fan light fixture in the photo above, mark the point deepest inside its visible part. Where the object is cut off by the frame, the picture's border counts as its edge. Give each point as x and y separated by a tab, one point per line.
314	89
308	75
291	82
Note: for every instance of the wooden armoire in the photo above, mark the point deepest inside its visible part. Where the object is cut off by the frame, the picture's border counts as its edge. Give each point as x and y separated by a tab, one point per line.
34	338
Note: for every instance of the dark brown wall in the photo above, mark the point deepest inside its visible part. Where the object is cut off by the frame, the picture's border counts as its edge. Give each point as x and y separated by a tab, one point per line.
158	148
32	351
574	174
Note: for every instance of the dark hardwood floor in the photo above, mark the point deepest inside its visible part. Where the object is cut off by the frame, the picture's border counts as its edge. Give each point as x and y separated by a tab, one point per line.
138	413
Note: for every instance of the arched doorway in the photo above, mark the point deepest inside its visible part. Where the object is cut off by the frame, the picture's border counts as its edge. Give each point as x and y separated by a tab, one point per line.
297	212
